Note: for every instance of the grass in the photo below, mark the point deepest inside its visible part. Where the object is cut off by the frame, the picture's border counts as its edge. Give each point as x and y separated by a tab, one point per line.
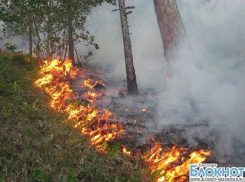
36	145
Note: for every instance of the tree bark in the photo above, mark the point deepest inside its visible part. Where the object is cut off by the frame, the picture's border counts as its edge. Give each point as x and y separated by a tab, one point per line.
70	35
173	33
38	40
78	60
65	51
130	71
30	39
48	39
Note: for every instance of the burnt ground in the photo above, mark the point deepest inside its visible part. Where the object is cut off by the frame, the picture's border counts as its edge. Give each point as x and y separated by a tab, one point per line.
139	118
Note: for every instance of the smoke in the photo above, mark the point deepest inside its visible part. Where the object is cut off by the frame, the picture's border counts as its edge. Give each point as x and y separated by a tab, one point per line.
213	76
146	42
207	85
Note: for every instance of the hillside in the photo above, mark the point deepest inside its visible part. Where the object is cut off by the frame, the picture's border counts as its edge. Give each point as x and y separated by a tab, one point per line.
35	142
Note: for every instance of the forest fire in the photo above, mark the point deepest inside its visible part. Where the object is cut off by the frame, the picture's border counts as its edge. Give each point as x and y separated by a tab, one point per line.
126	152
101	125
144	110
87	83
166	164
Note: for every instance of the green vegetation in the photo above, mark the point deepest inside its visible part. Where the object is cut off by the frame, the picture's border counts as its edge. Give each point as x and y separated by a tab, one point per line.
35	142
50	26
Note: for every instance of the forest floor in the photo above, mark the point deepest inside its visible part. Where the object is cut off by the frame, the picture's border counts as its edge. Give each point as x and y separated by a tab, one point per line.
35	142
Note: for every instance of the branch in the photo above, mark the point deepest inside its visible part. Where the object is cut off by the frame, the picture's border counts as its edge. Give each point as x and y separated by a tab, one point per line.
130	7
78	60
214	6
129	12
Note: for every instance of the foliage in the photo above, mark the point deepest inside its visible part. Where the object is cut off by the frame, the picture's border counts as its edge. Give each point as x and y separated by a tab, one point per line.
10	47
114	149
48	20
36	145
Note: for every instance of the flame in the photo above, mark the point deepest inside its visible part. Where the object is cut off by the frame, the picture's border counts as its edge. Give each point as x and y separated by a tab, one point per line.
144	110
162	163
92	96
45	80
28	59
87	83
54	82
99	125
126	152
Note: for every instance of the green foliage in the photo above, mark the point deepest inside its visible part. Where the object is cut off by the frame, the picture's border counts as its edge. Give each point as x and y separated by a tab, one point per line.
9	77
72	177
93	174
36	145
39	175
127	179
1	176
156	174
114	149
6	152
47	21
10	47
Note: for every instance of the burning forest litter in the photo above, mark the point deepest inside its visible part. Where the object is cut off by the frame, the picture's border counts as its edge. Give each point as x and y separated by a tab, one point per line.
94	109
159	84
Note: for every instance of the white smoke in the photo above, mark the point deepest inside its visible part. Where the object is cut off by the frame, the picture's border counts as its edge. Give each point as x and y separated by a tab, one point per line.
146	41
208	85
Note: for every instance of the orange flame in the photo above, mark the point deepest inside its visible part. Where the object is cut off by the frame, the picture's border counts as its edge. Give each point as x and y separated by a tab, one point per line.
53	78
144	110
92	96
91	121
126	152
87	83
162	163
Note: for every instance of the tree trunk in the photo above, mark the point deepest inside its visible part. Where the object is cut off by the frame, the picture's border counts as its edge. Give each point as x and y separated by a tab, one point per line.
131	77
38	40
70	35
48	39
173	33
65	51
30	39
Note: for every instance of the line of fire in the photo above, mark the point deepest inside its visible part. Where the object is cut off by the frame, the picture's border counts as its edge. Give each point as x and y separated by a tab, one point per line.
169	114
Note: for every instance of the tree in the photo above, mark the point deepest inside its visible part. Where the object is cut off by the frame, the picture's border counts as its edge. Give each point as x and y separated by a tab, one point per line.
64	26
131	77
173	33
50	25
70	31
19	16
30	38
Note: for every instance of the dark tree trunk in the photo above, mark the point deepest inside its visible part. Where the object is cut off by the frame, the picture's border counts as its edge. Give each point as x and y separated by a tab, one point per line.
131	77
173	33
30	39
70	35
48	40
38	40
65	51
49	53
